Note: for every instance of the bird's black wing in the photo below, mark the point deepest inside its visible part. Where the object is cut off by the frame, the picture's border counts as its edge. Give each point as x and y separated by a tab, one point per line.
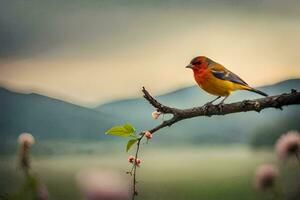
228	76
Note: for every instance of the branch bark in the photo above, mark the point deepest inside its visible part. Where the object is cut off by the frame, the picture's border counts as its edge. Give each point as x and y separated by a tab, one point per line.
257	105
277	101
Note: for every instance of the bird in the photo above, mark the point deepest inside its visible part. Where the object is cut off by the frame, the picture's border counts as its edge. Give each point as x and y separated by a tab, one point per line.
215	79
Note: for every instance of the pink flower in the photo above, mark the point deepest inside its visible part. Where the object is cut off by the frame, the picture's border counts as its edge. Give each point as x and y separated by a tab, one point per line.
156	114
103	185
138	162
288	145
265	177
131	159
26	138
148	135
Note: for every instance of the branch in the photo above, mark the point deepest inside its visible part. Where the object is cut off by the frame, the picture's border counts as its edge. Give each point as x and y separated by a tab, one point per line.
257	105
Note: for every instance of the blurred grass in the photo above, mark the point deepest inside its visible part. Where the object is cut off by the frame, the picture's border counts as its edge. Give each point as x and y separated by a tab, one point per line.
174	172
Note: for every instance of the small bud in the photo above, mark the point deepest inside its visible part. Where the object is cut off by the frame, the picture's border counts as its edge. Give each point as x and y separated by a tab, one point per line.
148	135
138	162
156	114
131	159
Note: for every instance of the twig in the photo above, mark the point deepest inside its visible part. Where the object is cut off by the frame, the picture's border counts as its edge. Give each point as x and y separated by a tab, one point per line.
134	191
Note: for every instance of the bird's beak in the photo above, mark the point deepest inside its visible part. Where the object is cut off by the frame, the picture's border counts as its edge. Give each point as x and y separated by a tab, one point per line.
190	66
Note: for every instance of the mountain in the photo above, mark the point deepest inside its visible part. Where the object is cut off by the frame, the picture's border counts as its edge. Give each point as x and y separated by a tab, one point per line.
238	127
48	118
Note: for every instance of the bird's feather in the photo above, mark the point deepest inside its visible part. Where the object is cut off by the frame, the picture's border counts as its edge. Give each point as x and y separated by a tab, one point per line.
227	75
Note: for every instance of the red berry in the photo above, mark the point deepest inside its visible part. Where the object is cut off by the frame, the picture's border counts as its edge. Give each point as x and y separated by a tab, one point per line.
148	135
131	159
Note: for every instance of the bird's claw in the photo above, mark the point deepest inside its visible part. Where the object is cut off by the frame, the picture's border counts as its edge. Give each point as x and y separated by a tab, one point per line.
220	106
206	106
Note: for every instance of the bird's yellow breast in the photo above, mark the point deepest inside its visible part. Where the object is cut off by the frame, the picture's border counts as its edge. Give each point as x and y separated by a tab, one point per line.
208	82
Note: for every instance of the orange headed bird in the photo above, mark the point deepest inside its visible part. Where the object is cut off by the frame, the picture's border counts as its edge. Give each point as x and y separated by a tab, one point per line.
215	79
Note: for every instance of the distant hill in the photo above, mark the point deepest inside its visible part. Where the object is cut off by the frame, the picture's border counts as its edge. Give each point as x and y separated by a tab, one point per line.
48	118
239	127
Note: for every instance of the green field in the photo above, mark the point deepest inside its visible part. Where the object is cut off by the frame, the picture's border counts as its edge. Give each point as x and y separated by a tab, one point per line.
175	172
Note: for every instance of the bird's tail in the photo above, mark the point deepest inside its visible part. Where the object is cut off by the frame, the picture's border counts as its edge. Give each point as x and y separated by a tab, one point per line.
257	91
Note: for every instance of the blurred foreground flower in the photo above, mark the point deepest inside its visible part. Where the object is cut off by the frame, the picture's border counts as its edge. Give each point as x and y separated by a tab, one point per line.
265	177
103	185
33	187
288	145
26	140
42	192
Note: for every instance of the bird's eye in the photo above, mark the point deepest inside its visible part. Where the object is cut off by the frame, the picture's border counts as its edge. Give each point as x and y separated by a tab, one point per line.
198	63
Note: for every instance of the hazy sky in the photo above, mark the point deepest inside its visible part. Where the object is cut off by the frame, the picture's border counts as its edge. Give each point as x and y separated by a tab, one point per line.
91	54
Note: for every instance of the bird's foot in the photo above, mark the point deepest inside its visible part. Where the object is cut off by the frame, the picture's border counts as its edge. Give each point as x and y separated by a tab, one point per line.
206	106
220	106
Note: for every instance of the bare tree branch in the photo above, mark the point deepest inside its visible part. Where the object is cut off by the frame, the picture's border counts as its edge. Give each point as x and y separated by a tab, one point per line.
257	105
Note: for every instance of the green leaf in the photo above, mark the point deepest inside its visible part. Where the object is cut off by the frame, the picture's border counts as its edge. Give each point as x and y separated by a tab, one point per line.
129	127
125	130
130	143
